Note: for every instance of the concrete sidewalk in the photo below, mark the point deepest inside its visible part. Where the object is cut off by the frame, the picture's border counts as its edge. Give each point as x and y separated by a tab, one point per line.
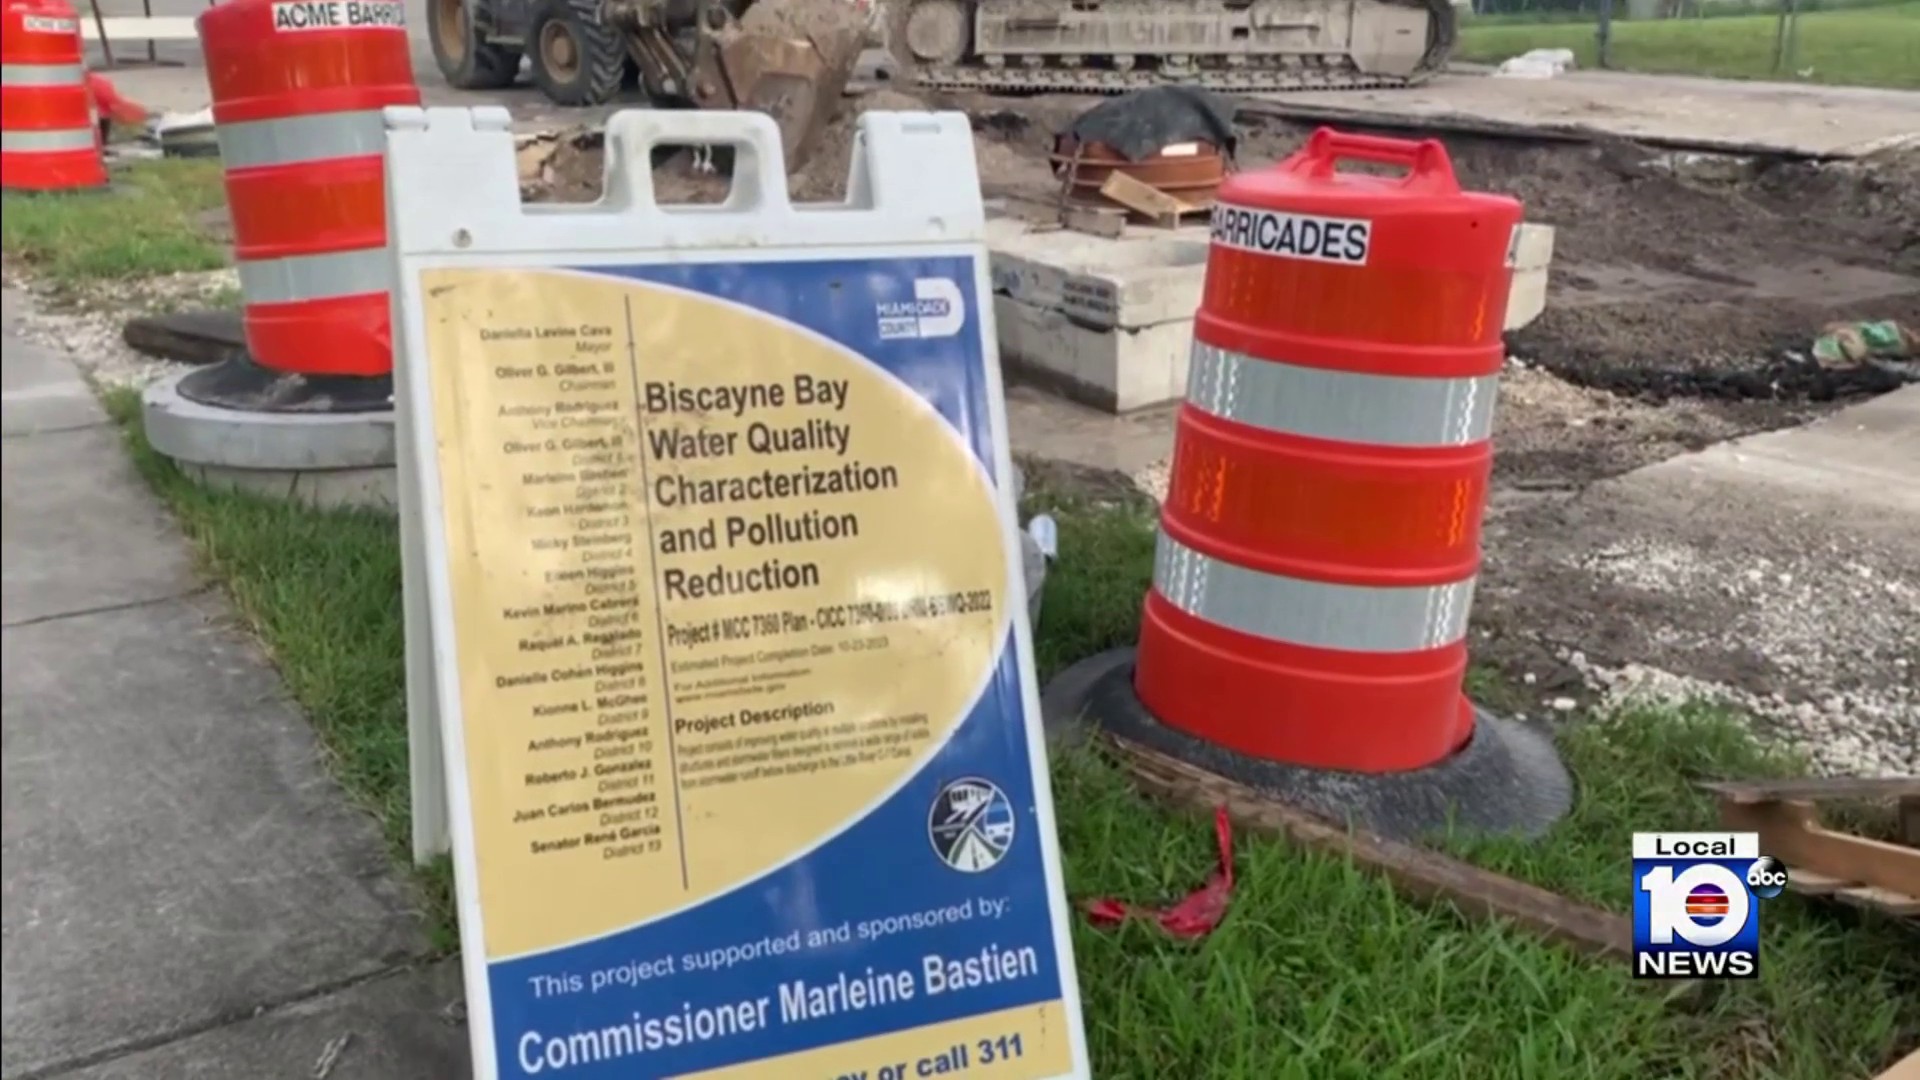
187	893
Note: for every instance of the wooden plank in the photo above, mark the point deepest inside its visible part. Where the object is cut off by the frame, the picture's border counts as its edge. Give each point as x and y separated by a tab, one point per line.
1789	833
1882	900
1417	872
1808	883
1143	198
1907	1068
1816	788
189	337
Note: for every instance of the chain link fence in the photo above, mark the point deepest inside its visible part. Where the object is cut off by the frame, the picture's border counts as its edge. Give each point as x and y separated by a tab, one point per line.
1869	42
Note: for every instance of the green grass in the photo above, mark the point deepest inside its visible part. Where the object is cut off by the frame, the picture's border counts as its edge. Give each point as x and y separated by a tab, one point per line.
1863	46
150	222
1320	972
322	590
1689	9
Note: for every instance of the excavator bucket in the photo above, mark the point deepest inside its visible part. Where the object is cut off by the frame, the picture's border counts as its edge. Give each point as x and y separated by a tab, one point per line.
790	59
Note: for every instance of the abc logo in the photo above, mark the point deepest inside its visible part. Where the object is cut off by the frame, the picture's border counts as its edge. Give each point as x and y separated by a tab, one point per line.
1767	877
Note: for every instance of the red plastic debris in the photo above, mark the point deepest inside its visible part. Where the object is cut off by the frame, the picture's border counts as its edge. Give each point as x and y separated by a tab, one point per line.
111	104
1198	914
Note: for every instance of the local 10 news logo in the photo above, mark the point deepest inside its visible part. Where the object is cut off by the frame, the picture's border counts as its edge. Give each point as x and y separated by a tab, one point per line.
1696	904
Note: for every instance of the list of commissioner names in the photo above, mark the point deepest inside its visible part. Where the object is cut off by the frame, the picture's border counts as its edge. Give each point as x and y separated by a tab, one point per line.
653	538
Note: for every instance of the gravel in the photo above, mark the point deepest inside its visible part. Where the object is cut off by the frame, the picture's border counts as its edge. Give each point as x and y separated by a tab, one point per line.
1814	637
1873	734
87	324
1840	637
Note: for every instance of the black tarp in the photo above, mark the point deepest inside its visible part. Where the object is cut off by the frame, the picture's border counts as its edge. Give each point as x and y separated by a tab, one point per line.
1140	124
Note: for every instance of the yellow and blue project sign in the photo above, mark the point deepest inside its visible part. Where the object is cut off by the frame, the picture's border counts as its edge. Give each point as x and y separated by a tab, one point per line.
752	786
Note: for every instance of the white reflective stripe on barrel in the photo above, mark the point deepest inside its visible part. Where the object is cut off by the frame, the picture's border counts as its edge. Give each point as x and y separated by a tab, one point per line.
35	142
1356	618
315	277
255	143
1383	410
42	75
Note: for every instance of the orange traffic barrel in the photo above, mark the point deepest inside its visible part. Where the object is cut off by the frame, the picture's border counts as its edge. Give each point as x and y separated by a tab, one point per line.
1320	538
49	133
298	91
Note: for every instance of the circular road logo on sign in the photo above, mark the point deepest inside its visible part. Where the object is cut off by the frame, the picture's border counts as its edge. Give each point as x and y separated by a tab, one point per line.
971	825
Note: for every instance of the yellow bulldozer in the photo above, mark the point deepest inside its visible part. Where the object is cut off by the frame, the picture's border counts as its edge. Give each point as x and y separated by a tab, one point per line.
794	58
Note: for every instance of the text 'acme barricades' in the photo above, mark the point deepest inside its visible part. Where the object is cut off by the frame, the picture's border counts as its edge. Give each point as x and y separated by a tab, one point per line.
298	90
1320	537
49	132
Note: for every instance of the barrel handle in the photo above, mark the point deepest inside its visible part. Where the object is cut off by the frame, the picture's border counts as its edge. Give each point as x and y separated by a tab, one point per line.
759	166
1425	160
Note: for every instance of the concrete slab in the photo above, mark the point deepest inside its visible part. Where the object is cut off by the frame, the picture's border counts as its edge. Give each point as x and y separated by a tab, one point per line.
392	1028
1720	114
1108	321
1142	277
1778	572
41	391
176	854
324	459
1051	428
1865	456
1105	321
81	530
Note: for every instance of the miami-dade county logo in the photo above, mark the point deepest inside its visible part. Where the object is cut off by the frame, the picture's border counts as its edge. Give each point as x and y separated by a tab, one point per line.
937	310
1696	910
971	825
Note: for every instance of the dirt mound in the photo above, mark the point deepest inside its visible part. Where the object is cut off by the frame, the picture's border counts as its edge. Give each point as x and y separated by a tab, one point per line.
824	178
563	166
1689	277
1877	196
816	19
1701	348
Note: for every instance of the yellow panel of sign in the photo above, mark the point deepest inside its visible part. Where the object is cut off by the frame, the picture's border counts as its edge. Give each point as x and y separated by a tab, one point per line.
745	779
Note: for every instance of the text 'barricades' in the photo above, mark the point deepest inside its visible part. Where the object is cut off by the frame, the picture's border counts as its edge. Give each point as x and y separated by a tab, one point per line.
722	584
49	129
299	122
1321	533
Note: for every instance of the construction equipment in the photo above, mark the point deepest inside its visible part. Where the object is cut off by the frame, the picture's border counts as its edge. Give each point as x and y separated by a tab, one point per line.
793	58
788	58
1116	46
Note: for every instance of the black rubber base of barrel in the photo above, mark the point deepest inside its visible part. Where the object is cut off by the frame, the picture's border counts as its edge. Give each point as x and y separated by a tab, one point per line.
1508	779
246	386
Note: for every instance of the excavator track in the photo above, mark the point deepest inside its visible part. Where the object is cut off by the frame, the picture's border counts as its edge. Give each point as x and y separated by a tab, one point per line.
1113	82
1305	61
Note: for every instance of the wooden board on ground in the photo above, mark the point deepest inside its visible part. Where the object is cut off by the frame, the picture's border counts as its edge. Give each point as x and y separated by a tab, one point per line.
1676	112
1876	874
1820	787
1144	199
188	337
1907	1068
1417	872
